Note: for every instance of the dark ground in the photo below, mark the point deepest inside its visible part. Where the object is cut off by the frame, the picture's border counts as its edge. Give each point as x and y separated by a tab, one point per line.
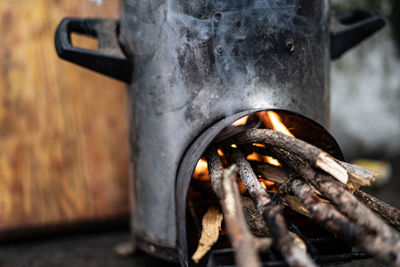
94	249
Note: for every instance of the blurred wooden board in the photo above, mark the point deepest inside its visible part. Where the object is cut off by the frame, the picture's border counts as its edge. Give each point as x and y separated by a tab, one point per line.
63	129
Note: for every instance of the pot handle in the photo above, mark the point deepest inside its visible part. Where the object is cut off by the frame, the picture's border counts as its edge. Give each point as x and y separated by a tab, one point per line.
108	59
361	25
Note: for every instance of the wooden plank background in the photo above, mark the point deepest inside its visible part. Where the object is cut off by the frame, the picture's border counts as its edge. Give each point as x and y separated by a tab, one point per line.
63	129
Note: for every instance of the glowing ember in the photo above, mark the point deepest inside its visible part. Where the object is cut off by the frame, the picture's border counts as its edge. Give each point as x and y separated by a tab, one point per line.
255	157
272	121
201	170
241	121
263	185
271	161
259	145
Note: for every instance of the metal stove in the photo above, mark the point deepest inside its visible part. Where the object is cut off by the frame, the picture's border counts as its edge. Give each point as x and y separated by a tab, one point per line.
194	67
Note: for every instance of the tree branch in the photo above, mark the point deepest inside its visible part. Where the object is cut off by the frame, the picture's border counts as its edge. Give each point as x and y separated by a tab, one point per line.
383	236
315	156
225	186
271	210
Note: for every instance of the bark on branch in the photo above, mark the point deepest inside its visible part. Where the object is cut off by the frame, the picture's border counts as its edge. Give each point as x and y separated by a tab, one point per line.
271	210
246	246
390	214
358	176
315	156
385	238
334	221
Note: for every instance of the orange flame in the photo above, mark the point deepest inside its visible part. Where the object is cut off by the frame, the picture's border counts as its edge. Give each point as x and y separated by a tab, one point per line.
241	121
271	160
269	185
257	157
272	120
268	159
263	185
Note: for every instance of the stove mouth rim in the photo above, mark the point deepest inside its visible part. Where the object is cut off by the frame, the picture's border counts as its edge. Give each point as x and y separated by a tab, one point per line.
194	152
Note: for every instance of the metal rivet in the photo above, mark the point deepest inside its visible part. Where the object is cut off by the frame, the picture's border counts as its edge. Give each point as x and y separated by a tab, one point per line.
219	50
218	16
290	46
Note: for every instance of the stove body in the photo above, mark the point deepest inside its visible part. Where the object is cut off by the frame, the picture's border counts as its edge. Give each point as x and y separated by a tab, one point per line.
197	62
193	68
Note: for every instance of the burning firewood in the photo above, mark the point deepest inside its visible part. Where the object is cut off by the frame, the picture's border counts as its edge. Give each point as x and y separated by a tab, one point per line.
385	241
335	222
310	153
224	184
307	179
271	211
357	175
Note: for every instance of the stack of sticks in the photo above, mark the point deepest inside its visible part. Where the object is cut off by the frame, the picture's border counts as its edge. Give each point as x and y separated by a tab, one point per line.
311	182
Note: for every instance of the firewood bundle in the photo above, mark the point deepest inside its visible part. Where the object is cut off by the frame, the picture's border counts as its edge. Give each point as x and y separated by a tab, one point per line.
310	182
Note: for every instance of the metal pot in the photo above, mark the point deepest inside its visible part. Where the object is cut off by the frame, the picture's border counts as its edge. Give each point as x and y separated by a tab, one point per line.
190	64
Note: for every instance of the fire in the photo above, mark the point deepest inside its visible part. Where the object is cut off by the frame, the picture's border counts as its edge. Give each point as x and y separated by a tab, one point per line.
263	185
271	160
268	159
259	145
257	157
272	120
269	185
201	170
241	121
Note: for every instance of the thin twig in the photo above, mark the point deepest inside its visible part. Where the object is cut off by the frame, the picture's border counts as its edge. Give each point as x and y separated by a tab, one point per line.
386	238
333	220
358	176
271	210
246	246
315	156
